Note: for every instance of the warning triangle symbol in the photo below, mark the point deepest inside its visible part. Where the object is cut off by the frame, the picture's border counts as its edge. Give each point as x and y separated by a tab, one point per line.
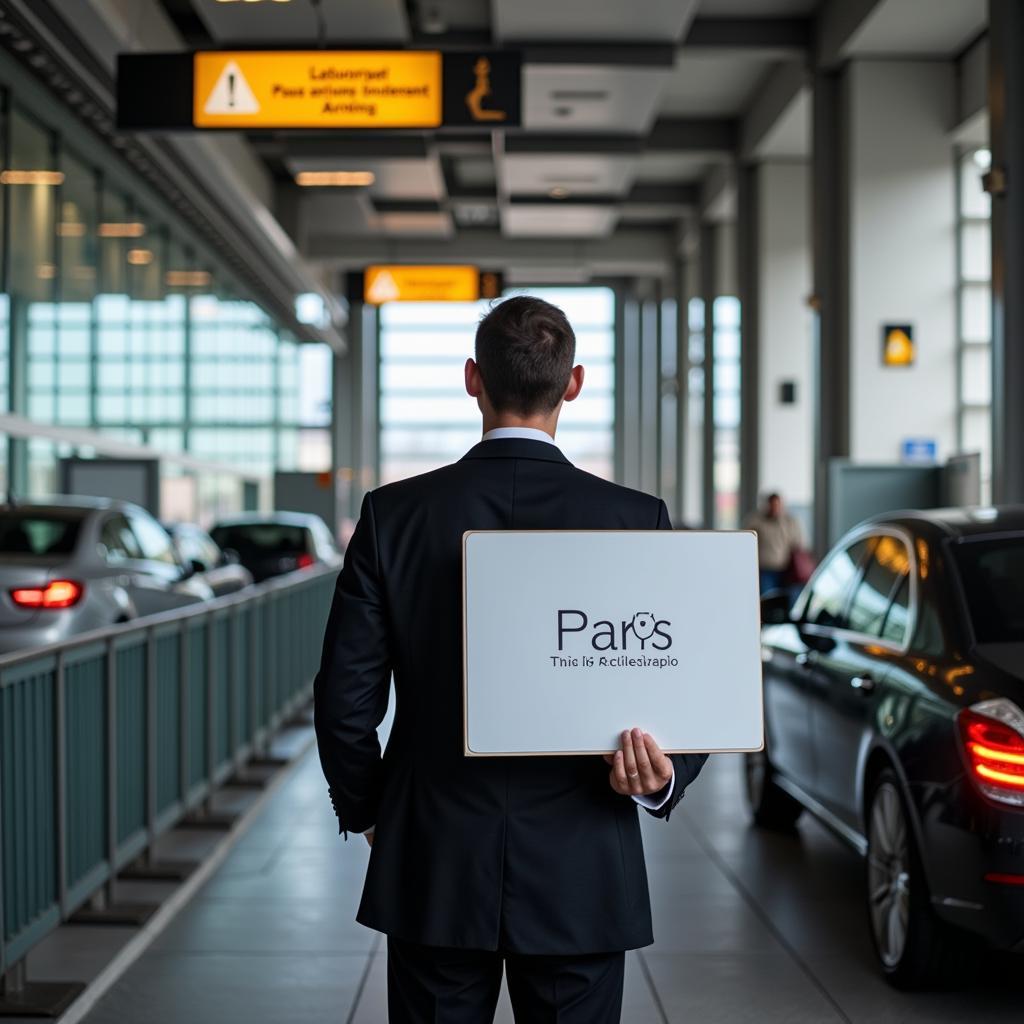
231	93
383	289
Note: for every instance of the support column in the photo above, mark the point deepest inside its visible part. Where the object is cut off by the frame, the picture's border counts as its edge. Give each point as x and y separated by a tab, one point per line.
1006	184
627	386
682	390
708	255
649	388
748	273
831	331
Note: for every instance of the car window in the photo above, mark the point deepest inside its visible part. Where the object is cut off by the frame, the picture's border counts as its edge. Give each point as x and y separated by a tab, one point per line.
897	618
826	604
888	564
39	533
992	572
261	539
190	547
118	541
154	541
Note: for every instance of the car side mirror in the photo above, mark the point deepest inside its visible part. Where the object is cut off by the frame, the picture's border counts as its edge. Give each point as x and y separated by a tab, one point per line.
775	608
195	566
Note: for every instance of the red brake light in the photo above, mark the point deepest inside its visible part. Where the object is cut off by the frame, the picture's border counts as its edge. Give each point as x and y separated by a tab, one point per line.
304	561
993	737
56	594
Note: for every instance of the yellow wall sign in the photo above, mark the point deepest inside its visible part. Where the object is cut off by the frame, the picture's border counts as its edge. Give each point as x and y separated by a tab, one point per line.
898	347
421	284
317	89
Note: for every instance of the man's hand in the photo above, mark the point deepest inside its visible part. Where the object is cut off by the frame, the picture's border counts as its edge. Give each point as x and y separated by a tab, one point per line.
639	768
368	836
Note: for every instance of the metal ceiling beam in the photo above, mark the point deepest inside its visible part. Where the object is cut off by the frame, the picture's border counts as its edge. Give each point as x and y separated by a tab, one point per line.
631	251
772	100
692	135
837	23
776	35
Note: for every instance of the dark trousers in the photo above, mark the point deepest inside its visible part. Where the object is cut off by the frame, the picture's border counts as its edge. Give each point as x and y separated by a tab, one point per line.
430	985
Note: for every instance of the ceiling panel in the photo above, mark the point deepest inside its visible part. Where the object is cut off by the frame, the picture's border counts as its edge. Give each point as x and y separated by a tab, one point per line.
395	178
711	84
545	220
435	17
436	224
356	21
587	20
588	97
589	174
925	27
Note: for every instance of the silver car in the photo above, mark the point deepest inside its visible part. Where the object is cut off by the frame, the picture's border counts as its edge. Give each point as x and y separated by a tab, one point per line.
72	564
197	550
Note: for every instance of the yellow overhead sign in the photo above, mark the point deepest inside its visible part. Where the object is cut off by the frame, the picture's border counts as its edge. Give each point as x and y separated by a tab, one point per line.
317	89
421	284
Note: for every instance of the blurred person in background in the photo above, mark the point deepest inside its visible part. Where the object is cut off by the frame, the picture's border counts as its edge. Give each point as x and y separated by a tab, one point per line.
780	552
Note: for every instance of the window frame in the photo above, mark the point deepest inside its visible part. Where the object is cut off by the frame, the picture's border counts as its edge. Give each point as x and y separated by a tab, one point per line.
852	635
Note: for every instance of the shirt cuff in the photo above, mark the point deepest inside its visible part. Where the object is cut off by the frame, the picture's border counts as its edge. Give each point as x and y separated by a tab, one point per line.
653	802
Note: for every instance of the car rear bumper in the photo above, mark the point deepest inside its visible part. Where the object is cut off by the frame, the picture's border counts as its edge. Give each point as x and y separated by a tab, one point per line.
974	856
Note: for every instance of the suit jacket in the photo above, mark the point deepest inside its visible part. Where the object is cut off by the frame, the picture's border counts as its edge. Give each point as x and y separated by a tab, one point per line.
528	855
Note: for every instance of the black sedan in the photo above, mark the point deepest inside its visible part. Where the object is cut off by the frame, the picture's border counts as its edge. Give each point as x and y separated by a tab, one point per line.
893	700
269	544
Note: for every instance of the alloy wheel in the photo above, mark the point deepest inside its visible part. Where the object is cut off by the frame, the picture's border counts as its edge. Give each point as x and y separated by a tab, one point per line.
889	874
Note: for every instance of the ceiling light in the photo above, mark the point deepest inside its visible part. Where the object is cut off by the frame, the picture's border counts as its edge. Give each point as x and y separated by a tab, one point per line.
334	178
558	192
31	177
187	278
983	159
70	229
139	257
46	271
115	229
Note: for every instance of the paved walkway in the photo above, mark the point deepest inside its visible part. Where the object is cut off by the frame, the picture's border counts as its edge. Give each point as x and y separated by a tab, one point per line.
750	927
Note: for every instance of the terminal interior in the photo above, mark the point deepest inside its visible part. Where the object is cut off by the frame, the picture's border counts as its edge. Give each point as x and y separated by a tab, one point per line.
789	236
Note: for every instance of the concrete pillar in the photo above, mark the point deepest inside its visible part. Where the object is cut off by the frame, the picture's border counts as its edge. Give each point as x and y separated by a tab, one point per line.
708	275
649	387
829	232
785	363
1006	183
748	277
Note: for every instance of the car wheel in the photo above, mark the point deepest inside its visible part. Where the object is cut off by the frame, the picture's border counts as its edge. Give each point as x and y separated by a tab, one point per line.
915	949
771	806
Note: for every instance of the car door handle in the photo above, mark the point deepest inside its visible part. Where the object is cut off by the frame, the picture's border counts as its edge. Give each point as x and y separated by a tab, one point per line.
865	683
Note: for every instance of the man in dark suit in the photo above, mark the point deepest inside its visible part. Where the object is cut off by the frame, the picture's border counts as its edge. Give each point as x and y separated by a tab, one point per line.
531	864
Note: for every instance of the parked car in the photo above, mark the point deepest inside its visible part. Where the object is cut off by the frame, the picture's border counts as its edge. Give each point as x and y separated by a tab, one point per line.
278	542
894	702
72	564
197	550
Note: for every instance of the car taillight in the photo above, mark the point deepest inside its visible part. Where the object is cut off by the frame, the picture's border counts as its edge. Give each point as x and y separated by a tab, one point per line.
56	594
304	561
993	737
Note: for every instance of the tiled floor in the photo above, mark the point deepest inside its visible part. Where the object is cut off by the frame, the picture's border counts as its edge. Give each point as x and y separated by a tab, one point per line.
749	926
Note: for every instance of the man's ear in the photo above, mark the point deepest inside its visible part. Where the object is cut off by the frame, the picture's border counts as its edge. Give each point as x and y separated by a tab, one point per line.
474	382
575	384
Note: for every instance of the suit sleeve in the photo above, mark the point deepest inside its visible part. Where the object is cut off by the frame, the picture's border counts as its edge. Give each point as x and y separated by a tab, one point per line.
687	766
350	694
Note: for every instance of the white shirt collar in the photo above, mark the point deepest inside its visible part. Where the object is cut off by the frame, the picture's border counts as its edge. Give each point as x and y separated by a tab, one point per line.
522	433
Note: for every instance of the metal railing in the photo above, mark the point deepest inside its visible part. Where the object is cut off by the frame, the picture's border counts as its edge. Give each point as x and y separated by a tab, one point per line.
109	739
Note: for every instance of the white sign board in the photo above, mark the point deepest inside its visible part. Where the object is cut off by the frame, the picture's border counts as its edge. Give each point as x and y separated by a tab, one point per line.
572	636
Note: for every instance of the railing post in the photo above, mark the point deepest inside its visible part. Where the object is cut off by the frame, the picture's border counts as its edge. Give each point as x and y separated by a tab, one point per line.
60	784
3	912
150	742
184	750
211	708
112	781
234	681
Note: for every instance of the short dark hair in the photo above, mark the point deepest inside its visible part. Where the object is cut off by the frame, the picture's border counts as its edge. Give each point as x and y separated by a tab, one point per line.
525	349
